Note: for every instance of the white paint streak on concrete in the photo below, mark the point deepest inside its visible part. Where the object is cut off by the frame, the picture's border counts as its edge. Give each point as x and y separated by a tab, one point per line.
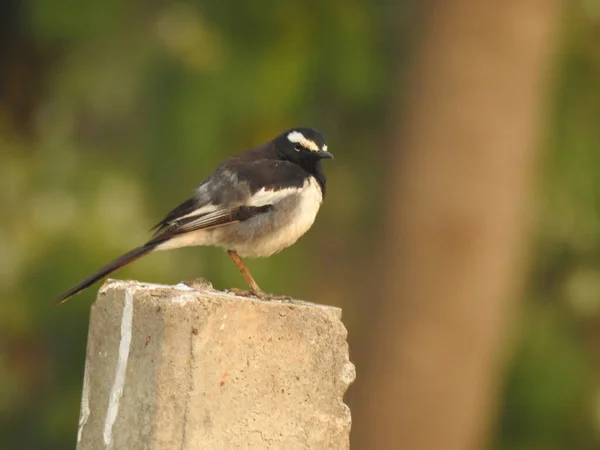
223	322
117	388
85	404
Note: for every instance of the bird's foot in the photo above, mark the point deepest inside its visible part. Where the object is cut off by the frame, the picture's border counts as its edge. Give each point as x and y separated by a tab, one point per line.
242	292
283	298
259	294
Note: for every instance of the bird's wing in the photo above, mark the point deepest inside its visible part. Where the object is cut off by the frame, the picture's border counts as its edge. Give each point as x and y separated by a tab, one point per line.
192	205
234	193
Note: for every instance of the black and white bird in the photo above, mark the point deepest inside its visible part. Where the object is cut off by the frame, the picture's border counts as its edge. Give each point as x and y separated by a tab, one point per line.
253	205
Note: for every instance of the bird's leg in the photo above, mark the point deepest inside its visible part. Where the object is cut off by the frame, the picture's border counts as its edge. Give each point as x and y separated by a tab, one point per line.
254	289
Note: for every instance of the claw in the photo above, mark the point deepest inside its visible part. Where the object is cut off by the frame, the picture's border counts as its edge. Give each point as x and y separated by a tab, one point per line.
259	294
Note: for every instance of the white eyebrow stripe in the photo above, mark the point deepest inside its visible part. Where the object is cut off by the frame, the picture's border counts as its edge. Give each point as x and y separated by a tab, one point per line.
297	137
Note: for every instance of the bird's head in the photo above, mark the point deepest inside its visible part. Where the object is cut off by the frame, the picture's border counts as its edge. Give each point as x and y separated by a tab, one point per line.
302	145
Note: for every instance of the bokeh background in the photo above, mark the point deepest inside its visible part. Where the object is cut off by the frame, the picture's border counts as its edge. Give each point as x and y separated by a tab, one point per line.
112	112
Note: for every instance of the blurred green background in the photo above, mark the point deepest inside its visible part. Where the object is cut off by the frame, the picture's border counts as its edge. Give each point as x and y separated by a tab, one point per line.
112	112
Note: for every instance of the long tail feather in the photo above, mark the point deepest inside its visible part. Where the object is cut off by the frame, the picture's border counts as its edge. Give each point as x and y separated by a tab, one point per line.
122	261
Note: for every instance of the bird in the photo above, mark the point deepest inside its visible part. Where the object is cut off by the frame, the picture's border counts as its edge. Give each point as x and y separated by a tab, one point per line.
254	204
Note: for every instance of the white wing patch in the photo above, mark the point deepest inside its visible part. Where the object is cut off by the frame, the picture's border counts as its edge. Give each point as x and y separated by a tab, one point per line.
270	197
299	138
210	213
198	212
206	221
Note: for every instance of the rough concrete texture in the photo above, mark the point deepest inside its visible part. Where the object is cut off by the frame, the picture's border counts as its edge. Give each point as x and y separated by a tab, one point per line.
176	367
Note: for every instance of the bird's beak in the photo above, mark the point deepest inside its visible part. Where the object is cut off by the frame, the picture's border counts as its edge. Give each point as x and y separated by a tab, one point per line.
325	155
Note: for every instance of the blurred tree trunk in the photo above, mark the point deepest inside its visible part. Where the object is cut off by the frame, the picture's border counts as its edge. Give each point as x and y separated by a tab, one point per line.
460	171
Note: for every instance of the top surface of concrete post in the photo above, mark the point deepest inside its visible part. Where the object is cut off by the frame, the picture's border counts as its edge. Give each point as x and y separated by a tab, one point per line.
194	368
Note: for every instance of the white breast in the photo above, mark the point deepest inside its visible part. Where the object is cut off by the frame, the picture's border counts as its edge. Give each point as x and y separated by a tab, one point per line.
294	214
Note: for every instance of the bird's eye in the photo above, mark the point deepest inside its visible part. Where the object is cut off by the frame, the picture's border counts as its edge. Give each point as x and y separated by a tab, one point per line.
298	147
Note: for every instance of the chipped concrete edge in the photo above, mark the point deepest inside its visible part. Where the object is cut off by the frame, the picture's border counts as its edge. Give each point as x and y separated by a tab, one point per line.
203	287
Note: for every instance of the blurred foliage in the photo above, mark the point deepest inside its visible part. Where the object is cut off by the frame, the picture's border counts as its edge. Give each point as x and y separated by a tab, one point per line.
111	112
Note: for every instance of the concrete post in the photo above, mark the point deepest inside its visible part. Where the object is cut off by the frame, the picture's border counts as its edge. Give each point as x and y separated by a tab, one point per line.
180	367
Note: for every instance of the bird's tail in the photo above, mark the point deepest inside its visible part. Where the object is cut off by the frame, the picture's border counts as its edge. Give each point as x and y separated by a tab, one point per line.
122	261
